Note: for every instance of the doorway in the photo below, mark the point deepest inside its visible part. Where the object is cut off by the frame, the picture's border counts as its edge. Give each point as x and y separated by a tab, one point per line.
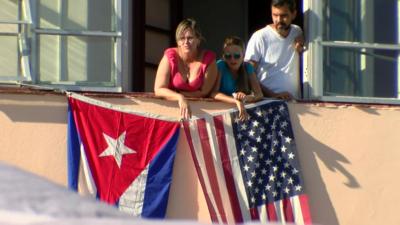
260	14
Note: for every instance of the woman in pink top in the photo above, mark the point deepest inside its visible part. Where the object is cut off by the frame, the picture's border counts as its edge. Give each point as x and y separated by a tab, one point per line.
186	71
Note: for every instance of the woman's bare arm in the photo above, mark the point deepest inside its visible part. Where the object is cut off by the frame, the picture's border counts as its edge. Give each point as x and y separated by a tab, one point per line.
162	82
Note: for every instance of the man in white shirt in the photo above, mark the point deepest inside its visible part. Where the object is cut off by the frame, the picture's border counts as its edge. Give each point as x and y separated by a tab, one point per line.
274	52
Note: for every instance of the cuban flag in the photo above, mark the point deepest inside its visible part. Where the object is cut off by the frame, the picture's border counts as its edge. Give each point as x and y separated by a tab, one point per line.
126	157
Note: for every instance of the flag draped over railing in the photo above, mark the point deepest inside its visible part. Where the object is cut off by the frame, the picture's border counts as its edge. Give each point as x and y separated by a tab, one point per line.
127	158
249	170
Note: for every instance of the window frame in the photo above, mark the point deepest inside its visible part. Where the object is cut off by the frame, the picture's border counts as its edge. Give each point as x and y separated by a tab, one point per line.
24	20
313	58
29	45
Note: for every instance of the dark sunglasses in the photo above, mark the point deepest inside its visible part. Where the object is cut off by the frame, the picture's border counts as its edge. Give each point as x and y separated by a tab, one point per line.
235	55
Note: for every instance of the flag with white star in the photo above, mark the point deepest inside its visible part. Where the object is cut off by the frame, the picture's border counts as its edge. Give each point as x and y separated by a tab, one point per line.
249	170
126	158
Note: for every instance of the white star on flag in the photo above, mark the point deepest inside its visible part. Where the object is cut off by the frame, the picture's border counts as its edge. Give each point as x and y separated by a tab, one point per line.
116	148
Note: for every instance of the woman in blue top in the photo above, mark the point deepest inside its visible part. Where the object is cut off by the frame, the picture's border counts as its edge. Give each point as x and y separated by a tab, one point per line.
237	81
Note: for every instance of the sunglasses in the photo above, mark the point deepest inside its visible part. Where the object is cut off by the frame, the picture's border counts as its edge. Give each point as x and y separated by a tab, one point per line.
235	55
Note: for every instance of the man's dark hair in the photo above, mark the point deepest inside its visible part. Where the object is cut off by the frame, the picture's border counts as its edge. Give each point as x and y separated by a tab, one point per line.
291	4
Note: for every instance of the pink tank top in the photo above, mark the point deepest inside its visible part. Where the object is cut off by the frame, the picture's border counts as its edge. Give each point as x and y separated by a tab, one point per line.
176	80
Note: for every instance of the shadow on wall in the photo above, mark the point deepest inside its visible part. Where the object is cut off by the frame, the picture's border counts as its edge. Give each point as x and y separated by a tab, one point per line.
322	209
34	108
52	108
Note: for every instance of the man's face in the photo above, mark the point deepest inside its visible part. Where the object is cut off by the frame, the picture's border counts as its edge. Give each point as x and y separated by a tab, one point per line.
282	17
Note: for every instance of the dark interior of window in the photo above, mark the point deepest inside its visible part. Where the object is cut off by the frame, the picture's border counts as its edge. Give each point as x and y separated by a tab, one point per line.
260	14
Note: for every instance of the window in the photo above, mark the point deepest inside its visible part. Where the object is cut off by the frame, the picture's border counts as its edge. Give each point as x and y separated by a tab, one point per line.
74	44
353	50
14	20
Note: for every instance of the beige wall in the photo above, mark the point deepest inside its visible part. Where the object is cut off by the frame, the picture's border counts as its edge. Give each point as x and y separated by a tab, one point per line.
33	134
349	155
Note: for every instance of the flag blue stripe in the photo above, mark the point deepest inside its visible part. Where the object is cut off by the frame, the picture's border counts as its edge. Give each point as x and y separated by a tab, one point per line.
73	152
159	180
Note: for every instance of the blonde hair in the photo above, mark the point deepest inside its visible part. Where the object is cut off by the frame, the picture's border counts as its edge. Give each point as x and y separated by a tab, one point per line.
233	40
242	83
188	24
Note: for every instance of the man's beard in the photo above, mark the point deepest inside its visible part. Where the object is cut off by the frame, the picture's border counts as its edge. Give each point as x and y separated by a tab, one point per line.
282	27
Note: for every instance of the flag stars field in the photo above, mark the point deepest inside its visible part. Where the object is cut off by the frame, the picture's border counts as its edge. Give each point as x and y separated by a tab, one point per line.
278	137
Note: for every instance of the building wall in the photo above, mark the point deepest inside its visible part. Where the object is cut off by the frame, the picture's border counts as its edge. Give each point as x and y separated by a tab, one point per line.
349	154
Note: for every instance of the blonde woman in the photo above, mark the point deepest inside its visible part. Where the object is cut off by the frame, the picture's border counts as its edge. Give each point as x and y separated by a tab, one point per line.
237	83
186	70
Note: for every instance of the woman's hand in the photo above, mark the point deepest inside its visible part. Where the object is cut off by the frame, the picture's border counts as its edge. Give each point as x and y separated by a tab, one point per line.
245	98
184	108
242	110
239	96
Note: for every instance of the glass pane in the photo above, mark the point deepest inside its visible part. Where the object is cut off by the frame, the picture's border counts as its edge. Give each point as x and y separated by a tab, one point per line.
8	56
82	60
372	21
95	15
8	9
360	72
49	58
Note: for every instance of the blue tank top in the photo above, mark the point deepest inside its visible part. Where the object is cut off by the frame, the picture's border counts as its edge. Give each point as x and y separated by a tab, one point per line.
228	84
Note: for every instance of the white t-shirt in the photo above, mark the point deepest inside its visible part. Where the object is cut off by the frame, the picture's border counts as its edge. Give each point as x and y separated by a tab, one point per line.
277	59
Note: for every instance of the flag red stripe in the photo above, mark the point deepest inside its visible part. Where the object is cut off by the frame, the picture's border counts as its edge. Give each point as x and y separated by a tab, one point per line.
209	161
254	214
305	210
213	214
287	210
227	168
271	212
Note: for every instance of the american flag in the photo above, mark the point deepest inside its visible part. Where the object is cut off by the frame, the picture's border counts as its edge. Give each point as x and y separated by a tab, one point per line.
249	170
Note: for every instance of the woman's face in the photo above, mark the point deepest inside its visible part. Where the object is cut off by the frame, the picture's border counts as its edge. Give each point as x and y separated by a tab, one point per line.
233	56
187	41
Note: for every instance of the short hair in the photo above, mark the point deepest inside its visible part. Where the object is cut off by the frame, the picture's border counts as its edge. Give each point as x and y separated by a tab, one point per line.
291	4
188	23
